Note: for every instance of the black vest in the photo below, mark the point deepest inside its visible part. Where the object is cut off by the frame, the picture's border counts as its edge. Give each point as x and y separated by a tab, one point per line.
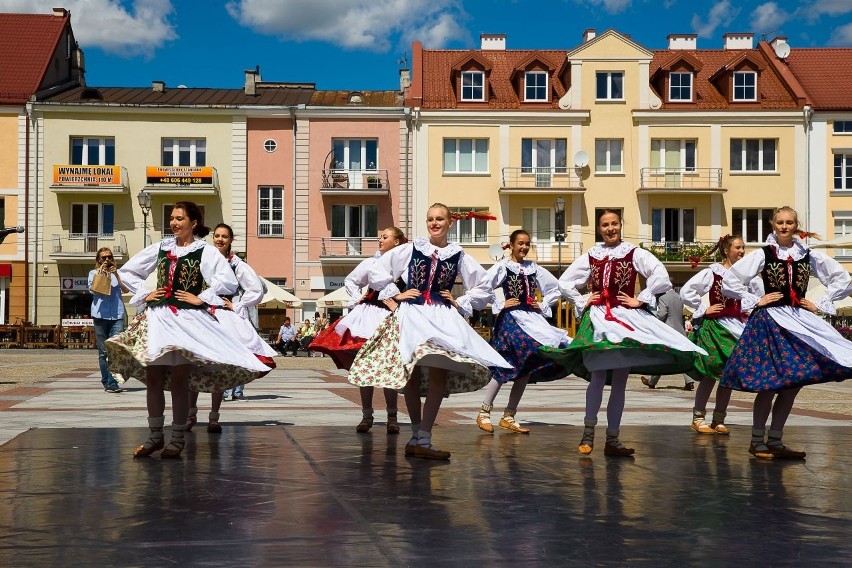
182	273
789	277
430	284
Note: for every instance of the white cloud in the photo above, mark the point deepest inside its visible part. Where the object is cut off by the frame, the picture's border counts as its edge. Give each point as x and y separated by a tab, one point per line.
842	35
768	17
817	8
108	24
373	25
721	14
609	6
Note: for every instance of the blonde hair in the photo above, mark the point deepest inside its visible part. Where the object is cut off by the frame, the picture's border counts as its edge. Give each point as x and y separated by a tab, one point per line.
438	205
786	209
397	234
98	260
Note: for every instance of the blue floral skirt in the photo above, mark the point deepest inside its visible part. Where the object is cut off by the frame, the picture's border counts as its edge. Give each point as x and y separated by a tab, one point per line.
768	357
521	351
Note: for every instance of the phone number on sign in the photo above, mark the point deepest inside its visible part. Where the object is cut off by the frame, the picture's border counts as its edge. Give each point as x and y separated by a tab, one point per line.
182	180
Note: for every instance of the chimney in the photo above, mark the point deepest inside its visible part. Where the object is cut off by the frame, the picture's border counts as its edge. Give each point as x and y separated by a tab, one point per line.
404	79
679	42
78	66
780	39
60	12
158	86
739	41
492	42
590	33
252	79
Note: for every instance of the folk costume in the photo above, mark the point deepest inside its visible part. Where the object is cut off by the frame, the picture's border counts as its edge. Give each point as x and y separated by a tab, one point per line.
427	331
783	345
249	294
170	332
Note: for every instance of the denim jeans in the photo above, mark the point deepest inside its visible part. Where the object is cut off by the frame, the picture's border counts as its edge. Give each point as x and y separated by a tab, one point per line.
237	391
104	329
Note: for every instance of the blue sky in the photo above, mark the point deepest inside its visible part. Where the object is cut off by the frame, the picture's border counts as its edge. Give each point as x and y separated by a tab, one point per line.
356	44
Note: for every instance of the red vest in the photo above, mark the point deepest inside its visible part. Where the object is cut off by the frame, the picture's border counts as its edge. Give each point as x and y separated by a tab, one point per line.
613	275
733	308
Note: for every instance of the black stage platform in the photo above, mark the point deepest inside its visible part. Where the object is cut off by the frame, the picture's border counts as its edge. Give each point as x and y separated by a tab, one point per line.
304	496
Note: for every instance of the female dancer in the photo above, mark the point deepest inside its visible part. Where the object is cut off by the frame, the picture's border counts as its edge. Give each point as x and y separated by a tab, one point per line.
427	342
236	317
721	325
520	330
342	340
785	345
179	335
615	335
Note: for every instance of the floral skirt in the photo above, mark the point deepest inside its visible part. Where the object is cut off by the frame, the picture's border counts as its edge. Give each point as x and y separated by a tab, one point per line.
718	342
128	358
341	348
521	351
768	357
379	364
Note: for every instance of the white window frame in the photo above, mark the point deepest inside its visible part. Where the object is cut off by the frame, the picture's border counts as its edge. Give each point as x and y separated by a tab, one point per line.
744	152
476	150
86	221
609	81
744	87
347	228
536	87
846	225
684	152
844	179
197	148
532	226
680	75
270	206
471	89
681	214
455	234
86	158
762	228
270	145
608	165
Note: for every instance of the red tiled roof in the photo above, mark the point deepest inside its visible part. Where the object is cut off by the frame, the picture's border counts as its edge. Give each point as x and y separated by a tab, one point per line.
824	74
27	42
373	99
438	78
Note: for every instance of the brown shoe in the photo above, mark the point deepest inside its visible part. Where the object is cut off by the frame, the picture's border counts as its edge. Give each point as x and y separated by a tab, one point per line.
392	424
720	429
646	382
760	451
484	423
619	450
148	448
431	453
365	425
782	452
689	386
508	423
411	446
213	426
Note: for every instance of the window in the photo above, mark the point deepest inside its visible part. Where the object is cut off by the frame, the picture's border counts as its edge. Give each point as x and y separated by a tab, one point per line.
354	220
544	157
473	86
610	86
745	86
673	154
680	86
608	156
753	155
92	219
270	145
536	86
468	230
600	211
184	152
87	151
270	211
843	172
465	155
753	224
539	223
355	154
843	126
673	225
842	226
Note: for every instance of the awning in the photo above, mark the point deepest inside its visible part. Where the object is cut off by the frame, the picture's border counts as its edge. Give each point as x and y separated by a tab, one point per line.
5	270
277	297
337	299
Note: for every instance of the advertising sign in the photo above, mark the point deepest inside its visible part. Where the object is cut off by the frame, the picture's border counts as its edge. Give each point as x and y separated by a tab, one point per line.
86	175
179	175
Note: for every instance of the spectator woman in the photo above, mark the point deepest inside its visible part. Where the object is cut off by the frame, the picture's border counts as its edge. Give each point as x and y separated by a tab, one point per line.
107	313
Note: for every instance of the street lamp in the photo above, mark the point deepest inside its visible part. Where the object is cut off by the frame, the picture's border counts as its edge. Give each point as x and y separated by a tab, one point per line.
5	232
559	231
144	199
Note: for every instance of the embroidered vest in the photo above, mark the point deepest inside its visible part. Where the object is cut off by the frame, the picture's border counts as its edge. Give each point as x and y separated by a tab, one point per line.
182	273
789	277
733	308
522	287
611	276
431	275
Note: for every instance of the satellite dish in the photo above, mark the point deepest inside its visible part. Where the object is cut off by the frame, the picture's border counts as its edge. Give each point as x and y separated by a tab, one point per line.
495	251
581	159
782	49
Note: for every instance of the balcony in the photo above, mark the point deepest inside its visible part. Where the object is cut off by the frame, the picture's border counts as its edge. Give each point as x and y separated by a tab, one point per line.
347	249
528	181
89	179
185	181
82	248
355	182
680	252
692	181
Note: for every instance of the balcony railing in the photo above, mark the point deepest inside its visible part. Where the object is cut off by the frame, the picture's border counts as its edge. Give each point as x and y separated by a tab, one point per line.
73	246
692	180
532	180
552	252
342	247
679	251
358	181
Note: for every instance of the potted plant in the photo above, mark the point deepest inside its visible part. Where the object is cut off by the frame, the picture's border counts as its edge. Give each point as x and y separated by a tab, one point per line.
374	182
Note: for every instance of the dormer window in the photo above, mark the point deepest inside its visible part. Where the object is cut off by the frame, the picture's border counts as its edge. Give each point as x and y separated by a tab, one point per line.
680	87
473	86
536	86
745	86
